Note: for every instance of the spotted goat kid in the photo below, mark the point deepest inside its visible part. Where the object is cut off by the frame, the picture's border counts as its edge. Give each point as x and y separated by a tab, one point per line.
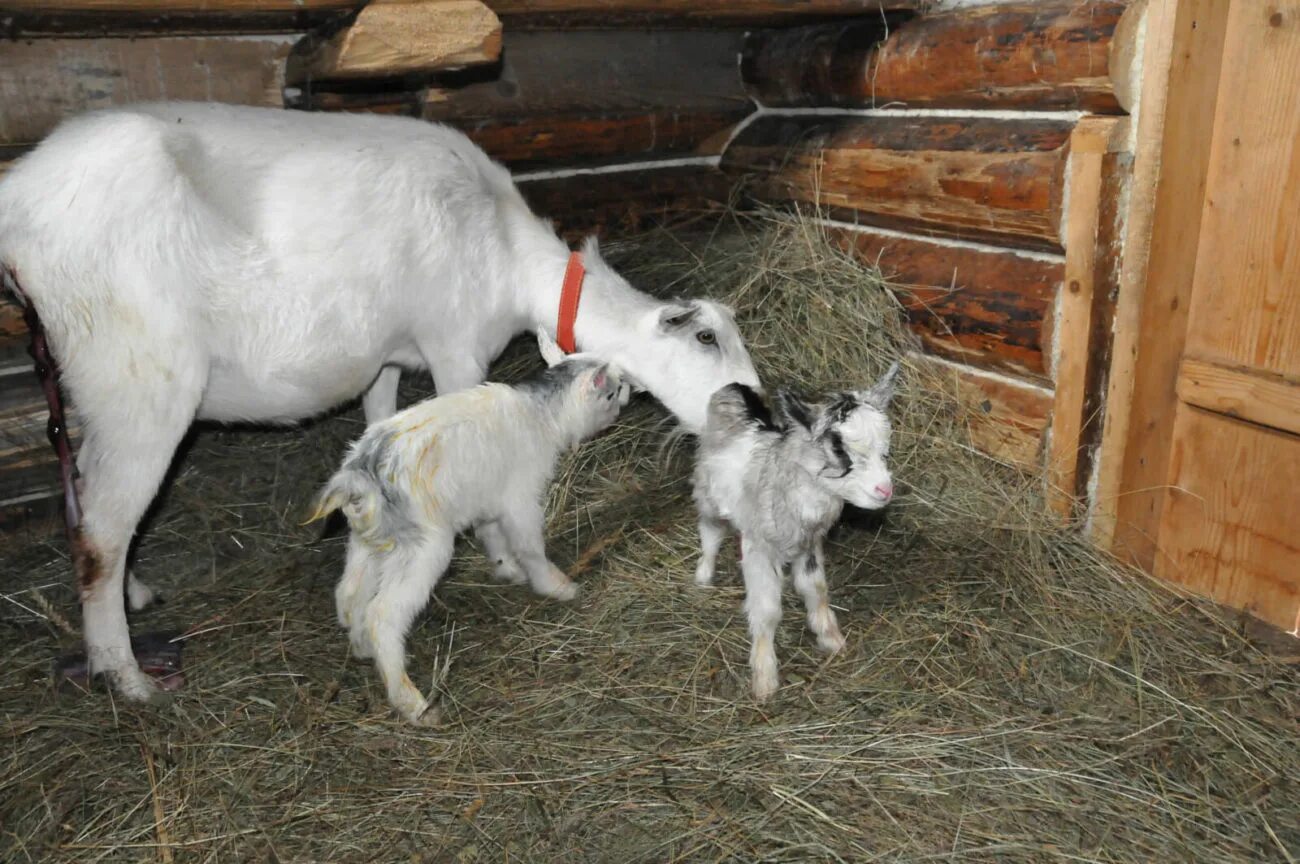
416	480
780	478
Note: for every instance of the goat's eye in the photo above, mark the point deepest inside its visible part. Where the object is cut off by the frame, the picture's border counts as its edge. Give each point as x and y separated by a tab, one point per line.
706	337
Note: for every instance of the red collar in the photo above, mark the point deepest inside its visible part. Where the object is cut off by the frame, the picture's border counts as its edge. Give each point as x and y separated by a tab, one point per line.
570	294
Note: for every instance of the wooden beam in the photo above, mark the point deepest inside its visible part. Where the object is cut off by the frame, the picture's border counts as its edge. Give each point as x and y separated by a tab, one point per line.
1268	399
1006	418
981	306
1091	140
626	201
45	81
1023	55
550	14
36	18
391	38
995	180
1181	62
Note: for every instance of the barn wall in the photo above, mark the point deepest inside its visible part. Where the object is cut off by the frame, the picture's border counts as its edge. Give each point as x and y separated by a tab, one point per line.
938	142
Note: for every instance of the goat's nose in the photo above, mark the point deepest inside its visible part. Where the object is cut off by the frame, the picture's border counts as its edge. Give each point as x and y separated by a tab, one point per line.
885	490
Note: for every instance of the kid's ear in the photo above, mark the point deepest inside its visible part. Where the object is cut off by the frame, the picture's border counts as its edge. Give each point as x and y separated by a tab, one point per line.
551	352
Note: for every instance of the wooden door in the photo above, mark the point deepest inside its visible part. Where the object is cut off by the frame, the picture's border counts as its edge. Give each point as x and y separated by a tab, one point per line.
1230	524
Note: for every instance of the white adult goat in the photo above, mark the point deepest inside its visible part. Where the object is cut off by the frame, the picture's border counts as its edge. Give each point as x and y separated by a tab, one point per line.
239	264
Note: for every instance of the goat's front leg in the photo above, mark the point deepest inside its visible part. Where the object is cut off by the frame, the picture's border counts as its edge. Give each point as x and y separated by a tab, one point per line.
380	401
763	606
712	533
407	576
524	532
810	580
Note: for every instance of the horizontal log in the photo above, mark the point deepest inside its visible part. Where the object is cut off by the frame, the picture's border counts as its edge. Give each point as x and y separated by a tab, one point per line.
588	139
983	307
1025	55
28	465
627	201
994	180
660	94
28	18
402	37
43	82
1005	418
550	14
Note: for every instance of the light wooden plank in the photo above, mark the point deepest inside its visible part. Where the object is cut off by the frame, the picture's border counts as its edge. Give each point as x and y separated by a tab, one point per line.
1182	53
1248	394
391	38
1229	524
1091	140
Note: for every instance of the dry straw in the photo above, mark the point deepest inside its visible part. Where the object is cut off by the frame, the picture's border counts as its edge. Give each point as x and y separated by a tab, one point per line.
1007	694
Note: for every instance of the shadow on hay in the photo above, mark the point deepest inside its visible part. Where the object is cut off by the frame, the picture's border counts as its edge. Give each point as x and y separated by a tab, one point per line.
1007	694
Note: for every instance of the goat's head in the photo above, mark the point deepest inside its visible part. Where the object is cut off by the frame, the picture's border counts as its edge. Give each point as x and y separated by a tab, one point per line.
589	392
681	352
850	434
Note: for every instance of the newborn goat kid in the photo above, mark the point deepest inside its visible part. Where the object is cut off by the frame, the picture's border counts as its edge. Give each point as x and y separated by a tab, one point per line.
416	480
782	482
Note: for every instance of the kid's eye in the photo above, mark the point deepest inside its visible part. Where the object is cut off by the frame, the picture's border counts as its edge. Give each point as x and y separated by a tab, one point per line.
706	337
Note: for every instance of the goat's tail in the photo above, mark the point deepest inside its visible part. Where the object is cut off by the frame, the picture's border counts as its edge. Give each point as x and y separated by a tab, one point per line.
358	495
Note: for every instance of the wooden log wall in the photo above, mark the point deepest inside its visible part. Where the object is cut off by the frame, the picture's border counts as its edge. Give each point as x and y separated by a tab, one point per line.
941	146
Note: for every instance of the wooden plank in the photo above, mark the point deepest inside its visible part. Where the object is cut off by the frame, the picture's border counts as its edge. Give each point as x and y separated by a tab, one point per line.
1246	290
1229	526
626	201
402	37
1021	55
981	306
43	82
1006	418
551	14
586	139
36	18
28	465
1242	392
994	180
1181	61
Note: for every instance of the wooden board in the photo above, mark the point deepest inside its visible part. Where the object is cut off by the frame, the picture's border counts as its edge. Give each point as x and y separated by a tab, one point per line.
42	82
1229	525
994	180
1181	62
27	18
1006	418
1022	55
519	14
1267	399
626	201
401	37
985	307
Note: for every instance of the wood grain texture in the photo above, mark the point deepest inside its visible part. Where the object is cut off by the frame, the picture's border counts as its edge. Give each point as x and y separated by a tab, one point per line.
28	465
626	201
1181	62
402	37
1074	325
995	180
1268	399
1228	528
552	14
1006	419
1023	55
983	307
1245	307
42	82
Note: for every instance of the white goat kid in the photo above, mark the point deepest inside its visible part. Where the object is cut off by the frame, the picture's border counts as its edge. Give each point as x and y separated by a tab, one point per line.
239	264
414	481
781	481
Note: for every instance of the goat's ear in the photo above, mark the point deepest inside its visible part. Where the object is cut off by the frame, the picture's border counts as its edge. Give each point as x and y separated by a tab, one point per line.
880	393
794	408
603	379
591	248
676	315
551	352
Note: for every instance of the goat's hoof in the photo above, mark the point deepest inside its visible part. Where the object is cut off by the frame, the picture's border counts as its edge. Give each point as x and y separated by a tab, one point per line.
765	686
140	595
428	716
831	643
156	668
562	592
703	575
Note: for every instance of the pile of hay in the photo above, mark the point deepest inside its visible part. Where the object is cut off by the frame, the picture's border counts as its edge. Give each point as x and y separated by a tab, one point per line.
1007	694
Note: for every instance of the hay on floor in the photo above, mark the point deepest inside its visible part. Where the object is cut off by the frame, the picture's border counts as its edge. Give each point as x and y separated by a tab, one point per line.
1007	694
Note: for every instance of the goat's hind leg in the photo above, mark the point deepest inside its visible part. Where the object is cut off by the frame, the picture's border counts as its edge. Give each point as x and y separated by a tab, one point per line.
763	606
407	576
359	583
